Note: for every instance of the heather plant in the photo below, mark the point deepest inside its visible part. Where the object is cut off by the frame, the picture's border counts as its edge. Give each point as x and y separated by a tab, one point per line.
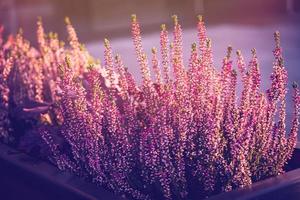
183	135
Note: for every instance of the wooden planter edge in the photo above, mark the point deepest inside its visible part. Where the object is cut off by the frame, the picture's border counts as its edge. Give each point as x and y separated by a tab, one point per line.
85	190
42	170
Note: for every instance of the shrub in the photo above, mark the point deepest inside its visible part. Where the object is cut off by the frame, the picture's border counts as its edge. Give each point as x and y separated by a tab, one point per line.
180	136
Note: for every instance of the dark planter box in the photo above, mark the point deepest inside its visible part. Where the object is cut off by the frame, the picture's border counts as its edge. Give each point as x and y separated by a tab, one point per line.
24	177
282	187
294	162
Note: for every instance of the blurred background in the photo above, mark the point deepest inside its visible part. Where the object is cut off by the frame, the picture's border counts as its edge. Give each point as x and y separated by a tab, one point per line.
242	24
98	18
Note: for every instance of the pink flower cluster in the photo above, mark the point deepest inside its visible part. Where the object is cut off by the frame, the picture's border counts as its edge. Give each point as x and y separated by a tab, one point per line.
182	135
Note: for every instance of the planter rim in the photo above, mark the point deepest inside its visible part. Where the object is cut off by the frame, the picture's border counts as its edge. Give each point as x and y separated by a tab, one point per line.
44	170
87	190
262	187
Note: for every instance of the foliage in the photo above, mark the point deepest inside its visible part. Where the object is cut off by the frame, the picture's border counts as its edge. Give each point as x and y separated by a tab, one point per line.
180	136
